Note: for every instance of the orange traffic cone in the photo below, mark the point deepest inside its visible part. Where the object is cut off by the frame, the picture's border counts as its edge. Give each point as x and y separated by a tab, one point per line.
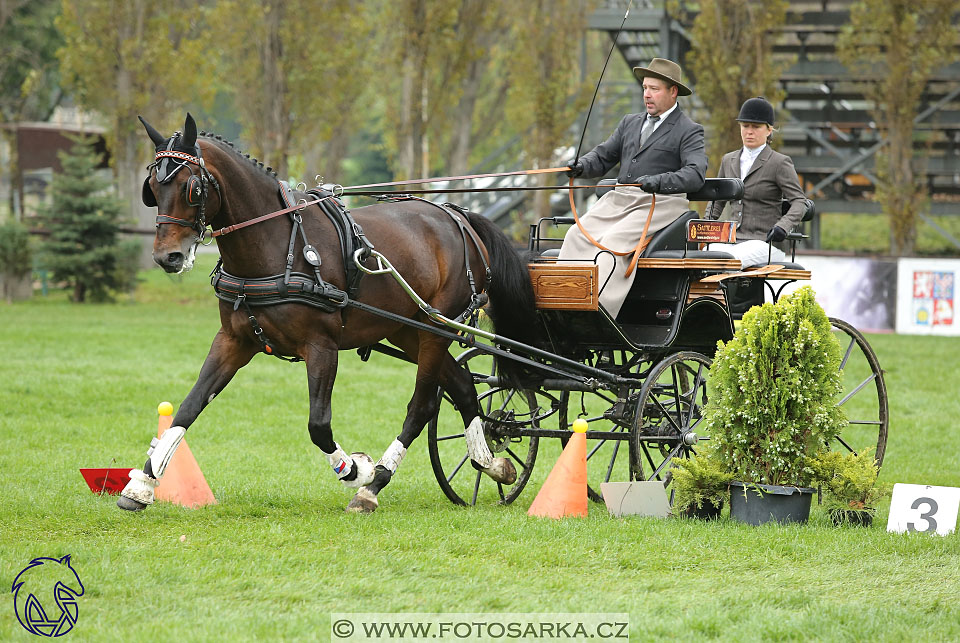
565	491
183	482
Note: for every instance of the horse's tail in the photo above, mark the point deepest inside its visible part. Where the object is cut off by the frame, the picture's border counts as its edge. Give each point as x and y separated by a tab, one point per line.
512	305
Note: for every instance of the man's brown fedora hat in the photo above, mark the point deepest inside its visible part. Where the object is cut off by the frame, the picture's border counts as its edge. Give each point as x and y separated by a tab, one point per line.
666	70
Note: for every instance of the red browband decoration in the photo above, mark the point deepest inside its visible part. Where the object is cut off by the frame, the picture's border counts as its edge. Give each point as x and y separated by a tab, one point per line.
178	155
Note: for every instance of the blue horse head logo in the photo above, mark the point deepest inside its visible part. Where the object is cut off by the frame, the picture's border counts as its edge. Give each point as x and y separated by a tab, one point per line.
55	582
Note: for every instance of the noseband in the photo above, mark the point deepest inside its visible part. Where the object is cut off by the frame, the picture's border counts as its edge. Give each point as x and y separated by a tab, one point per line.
197	188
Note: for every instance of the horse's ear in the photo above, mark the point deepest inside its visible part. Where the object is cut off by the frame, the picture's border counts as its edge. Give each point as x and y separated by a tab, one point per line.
154	135
189	132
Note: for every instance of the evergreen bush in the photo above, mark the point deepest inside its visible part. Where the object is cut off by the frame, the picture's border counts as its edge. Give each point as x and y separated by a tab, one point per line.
16	256
849	480
83	250
774	392
698	479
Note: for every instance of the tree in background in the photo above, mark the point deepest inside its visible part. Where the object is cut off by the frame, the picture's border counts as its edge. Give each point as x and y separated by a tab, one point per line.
298	71
29	78
546	94
731	61
437	72
897	45
123	59
83	249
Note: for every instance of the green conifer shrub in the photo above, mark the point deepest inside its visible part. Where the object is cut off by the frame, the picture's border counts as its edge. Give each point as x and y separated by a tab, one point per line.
83	250
849	480
775	388
16	255
698	479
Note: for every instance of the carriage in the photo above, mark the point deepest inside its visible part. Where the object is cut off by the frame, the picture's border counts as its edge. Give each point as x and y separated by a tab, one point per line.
291	284
645	375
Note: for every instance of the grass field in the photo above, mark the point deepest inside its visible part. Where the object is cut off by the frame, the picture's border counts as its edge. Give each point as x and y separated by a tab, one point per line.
277	555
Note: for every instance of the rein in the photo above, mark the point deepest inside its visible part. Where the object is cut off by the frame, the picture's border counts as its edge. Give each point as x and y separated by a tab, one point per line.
237	226
641	245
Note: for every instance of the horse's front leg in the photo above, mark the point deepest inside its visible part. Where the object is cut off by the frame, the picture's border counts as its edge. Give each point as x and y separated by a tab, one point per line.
227	355
353	470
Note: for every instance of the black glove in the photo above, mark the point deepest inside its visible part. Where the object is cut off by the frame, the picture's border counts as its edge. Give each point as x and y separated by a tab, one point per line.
776	234
576	168
650	184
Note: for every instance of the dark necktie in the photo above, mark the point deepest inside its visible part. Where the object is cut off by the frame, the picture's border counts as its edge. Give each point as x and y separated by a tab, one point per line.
648	129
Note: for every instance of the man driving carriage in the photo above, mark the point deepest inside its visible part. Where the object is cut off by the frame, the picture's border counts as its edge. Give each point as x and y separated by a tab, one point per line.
662	151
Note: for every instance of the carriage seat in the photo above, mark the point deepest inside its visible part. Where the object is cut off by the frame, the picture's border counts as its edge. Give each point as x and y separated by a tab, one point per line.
671	241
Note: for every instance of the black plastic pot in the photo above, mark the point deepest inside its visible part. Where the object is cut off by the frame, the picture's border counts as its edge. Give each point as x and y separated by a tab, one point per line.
708	511
775	503
853	517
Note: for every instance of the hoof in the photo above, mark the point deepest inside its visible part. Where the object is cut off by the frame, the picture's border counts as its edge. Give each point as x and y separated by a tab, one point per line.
502	470
363	502
129	504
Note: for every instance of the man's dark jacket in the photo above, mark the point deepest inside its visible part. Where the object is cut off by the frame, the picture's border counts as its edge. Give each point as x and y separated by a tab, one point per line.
675	151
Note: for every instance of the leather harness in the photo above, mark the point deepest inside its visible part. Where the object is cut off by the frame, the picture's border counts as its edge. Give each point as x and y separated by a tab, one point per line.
312	290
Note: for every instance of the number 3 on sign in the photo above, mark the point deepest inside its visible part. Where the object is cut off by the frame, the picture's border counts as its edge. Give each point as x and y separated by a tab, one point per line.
917	507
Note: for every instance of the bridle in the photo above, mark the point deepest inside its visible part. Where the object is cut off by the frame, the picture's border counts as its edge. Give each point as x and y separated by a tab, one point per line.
197	187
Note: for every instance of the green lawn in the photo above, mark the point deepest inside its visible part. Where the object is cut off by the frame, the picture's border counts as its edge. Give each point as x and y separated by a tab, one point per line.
277	555
870	234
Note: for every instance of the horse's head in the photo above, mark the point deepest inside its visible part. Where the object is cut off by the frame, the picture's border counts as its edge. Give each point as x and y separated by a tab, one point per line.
185	193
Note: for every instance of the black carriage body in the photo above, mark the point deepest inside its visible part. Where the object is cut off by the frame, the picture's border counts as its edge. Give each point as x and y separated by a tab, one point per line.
658	317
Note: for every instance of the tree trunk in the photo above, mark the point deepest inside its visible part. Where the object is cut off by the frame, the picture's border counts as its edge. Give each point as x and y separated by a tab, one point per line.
463	127
277	132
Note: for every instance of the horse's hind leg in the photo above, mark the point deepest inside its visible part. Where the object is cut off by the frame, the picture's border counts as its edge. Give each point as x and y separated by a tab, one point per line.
227	355
429	350
435	366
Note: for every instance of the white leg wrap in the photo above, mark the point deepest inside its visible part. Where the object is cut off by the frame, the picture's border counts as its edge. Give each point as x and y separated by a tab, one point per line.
162	449
340	461
140	487
477	445
342	464
393	456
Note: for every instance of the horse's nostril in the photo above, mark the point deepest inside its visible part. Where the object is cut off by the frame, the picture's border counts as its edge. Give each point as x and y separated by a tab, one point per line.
174	258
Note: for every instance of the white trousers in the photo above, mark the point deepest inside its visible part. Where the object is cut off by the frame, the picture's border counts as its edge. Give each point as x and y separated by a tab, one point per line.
750	253
616	221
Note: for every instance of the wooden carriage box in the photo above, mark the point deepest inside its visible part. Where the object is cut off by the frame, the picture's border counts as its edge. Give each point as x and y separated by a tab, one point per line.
565	286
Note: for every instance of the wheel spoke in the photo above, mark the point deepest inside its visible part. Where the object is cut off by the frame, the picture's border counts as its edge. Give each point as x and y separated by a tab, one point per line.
476	488
844	443
872	377
450	437
846	355
450	477
613	459
666	460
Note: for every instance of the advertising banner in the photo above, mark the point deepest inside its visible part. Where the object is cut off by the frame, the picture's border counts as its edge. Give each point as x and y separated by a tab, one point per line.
858	290
926	304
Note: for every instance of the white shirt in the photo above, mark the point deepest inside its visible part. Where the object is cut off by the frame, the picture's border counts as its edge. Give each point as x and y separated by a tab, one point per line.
656	124
747	157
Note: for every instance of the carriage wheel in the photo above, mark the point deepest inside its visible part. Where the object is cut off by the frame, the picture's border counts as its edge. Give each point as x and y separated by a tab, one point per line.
864	397
507	412
670	411
608	460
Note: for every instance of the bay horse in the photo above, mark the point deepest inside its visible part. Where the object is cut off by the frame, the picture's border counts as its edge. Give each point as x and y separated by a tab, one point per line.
196	181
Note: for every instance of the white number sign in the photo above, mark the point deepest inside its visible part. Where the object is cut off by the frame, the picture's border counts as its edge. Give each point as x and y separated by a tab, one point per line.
917	507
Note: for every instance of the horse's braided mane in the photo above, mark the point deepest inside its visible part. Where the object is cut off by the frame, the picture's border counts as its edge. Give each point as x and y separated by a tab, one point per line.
229	146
